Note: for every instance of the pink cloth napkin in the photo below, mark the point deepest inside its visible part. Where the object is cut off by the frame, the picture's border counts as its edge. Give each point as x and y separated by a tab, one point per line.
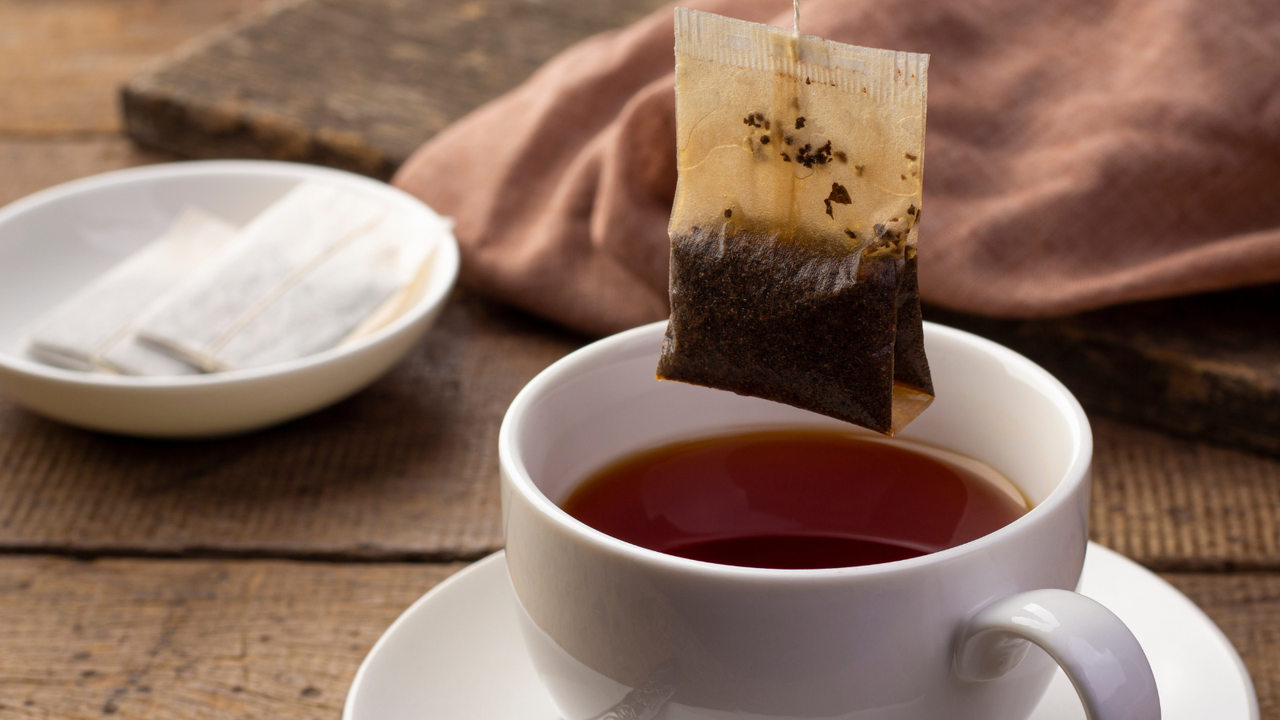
1080	153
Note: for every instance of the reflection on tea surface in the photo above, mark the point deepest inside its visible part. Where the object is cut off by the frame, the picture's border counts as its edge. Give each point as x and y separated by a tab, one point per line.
796	499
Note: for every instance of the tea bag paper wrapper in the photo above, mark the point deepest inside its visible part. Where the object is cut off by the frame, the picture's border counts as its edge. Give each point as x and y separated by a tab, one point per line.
130	356
299	280
793	266
331	304
93	329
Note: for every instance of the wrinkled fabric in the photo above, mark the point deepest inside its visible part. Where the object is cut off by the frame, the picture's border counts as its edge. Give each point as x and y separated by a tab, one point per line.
1080	153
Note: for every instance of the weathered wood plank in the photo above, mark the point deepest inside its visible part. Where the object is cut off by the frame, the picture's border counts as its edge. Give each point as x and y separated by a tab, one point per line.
1205	366
34	164
356	84
1174	504
1247	608
275	639
192	639
61	60
407	468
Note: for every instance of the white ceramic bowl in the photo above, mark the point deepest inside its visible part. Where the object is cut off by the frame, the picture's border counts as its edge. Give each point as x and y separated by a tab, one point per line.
55	241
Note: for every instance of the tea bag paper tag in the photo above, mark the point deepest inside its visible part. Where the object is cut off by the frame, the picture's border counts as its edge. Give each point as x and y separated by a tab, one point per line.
92	330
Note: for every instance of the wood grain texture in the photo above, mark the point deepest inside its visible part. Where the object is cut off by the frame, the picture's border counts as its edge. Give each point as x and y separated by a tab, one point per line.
1246	606
192	639
34	164
405	469
1175	504
1206	366
62	60
275	639
408	470
355	84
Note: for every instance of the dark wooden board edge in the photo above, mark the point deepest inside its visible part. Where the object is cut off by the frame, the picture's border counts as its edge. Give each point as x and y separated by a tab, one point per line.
160	121
1205	367
352	84
156	115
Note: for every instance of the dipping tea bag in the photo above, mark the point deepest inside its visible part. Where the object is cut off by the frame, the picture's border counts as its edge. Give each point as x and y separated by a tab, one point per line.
299	279
793	232
93	329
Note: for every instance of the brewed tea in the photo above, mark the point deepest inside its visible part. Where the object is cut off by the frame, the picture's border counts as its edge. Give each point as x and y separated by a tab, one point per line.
796	499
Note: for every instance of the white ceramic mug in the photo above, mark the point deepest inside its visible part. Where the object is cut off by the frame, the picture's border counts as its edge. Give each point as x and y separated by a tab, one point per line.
619	631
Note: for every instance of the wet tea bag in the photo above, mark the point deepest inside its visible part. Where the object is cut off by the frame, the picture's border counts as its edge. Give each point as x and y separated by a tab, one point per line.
93	329
793	232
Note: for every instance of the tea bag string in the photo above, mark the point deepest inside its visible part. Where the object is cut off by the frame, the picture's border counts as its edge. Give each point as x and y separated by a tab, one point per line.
795	19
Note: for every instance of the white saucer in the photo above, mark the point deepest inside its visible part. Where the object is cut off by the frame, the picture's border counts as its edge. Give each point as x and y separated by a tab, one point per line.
456	654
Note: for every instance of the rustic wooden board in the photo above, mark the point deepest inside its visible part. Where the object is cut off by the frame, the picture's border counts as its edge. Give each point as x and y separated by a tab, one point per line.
62	60
1205	366
61	64
1173	504
1246	606
34	164
356	84
408	470
192	639
272	639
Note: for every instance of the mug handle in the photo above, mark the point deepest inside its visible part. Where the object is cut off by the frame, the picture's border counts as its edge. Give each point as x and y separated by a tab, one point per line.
1095	649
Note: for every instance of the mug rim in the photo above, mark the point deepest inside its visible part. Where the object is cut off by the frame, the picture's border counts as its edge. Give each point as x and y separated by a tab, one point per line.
516	474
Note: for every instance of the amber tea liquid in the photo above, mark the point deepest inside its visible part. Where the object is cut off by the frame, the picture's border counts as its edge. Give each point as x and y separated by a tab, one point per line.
796	499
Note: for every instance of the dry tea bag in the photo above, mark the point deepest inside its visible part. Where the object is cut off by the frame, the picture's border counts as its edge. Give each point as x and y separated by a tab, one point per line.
359	285
793	232
298	280
93	330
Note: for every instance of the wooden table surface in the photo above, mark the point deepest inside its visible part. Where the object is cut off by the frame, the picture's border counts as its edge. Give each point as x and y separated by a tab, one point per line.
249	577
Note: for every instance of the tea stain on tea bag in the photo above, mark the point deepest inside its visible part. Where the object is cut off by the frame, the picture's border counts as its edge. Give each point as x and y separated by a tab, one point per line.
806	292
